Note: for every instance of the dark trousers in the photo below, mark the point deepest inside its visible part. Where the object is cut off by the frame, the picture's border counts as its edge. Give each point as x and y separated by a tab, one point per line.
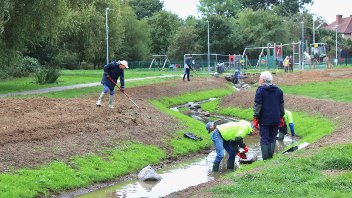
290	68
186	73
268	134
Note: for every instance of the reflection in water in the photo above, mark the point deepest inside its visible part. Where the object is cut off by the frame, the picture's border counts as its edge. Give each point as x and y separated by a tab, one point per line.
185	174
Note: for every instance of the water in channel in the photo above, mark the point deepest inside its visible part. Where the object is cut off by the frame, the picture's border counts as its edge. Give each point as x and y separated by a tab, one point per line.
185	174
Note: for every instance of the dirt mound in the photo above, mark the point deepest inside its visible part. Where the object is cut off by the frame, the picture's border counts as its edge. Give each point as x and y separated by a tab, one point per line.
38	130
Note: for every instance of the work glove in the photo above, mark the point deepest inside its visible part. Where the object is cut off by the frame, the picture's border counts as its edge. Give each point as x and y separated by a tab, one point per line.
292	128
242	155
255	123
282	122
245	149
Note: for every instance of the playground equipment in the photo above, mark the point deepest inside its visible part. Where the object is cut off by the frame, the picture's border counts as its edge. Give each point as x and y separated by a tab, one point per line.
271	56
228	62
318	51
159	60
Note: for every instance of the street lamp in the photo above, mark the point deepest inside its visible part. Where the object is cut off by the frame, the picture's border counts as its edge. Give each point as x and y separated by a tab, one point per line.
107	34
302	45
336	45
208	49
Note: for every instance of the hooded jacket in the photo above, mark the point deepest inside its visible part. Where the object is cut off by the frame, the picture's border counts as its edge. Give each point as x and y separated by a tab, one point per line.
115	72
269	105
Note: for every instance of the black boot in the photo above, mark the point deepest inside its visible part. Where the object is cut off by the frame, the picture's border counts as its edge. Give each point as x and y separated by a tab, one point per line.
271	150
231	164
216	167
265	151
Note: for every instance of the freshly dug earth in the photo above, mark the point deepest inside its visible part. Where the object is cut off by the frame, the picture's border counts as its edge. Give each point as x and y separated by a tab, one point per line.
36	131
340	112
39	130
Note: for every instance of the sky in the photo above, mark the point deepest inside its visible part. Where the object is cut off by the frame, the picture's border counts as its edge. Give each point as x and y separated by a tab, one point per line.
328	9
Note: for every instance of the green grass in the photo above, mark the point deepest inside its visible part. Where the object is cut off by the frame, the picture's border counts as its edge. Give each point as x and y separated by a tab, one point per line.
79	172
70	77
339	90
293	176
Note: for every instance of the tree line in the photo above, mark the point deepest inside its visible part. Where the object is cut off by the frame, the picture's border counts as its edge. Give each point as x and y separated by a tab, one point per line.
72	33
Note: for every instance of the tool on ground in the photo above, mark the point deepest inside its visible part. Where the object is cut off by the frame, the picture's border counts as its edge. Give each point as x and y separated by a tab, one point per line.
192	136
123	92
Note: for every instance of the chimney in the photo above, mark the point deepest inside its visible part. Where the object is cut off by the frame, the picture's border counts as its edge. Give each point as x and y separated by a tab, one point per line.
339	19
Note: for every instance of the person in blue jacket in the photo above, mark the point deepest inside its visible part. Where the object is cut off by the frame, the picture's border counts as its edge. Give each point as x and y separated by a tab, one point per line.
188	67
112	72
268	113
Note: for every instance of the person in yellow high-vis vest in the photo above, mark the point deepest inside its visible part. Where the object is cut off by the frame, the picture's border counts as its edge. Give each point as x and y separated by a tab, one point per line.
288	120
229	136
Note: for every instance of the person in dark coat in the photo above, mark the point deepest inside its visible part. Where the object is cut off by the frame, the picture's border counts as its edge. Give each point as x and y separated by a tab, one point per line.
188	66
112	72
268	113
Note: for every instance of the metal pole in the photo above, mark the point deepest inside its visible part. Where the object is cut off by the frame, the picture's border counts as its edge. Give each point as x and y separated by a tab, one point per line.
336	47
208	50
107	35
313	32
302	46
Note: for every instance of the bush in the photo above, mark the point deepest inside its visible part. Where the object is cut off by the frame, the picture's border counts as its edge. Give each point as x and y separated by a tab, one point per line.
47	75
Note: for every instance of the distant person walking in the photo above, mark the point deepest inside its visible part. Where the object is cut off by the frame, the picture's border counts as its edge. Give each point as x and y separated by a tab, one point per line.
112	72
290	64
268	113
187	68
286	63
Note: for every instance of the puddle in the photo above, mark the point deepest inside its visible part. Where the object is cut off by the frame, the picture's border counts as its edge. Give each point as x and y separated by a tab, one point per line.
185	174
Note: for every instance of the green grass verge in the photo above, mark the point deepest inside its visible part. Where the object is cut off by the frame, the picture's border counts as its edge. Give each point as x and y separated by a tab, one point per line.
79	172
339	90
70	77
293	176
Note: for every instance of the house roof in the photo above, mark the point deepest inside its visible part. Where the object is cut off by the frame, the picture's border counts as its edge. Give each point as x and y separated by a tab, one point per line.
345	26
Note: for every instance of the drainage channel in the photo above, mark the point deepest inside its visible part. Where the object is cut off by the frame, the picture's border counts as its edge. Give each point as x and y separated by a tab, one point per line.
185	174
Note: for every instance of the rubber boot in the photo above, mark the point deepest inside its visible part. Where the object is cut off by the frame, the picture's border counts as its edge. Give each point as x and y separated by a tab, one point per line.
100	99
271	150
216	167
265	151
231	164
111	102
281	136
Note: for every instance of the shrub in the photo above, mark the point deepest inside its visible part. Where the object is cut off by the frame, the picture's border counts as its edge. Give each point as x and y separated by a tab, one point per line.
47	75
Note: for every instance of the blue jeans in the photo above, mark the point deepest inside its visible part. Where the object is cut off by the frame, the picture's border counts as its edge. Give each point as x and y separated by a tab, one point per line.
220	144
268	134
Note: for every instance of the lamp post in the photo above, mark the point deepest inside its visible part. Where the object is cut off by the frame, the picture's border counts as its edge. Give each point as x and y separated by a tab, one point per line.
336	45
208	49
302	44
107	34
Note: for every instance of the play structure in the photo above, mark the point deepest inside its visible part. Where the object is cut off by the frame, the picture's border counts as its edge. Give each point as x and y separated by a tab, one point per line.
159	61
216	62
270	56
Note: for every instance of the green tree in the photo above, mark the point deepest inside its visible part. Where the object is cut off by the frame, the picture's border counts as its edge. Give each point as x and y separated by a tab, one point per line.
228	8
287	6
145	8
185	41
162	27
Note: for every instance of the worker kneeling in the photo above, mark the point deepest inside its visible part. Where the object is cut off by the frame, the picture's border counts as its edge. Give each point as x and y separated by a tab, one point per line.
288	120
229	136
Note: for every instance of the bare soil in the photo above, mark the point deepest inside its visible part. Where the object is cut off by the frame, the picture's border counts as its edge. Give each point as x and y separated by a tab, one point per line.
36	131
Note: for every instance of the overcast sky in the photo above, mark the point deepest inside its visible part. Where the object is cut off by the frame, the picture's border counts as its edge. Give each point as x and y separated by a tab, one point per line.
328	9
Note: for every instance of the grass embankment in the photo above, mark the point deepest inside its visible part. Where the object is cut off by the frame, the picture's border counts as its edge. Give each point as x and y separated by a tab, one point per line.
70	77
126	157
325	173
339	90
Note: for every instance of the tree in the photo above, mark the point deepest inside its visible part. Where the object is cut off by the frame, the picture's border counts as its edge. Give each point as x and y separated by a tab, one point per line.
228	8
145	8
287	6
162	27
185	41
